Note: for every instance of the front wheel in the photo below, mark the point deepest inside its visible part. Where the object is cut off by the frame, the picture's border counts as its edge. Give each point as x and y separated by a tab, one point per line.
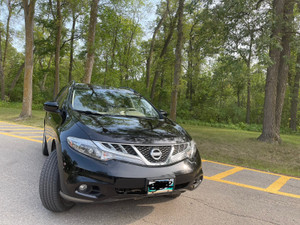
44	146
50	186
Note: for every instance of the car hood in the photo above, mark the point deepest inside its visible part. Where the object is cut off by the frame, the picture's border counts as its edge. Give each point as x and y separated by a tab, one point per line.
121	129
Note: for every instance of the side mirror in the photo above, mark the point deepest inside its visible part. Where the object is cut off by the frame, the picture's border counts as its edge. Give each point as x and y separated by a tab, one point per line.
164	113
51	107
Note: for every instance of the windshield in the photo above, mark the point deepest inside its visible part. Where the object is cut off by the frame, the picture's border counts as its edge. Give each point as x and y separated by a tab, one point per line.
112	102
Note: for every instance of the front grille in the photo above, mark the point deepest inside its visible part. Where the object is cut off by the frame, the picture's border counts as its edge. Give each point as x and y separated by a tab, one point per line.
146	150
117	147
120	148
106	145
129	149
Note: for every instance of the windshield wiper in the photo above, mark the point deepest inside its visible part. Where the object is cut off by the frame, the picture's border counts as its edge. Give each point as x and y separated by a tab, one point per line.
88	112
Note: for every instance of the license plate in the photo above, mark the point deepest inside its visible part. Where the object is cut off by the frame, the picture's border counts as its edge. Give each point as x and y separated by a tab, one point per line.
160	186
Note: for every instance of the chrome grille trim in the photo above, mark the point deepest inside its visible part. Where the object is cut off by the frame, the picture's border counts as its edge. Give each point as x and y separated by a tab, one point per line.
136	153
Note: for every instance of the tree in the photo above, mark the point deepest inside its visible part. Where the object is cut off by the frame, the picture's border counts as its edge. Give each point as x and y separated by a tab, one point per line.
1	69
150	56
247	21
10	7
57	47
295	96
29	6
10	10
283	69
277	72
75	14
91	42
178	55
159	66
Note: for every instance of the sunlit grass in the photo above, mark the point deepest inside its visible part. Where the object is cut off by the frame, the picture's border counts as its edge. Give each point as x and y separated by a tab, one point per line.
240	147
10	112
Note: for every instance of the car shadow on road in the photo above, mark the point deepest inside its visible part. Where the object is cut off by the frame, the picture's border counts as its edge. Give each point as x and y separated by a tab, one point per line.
121	212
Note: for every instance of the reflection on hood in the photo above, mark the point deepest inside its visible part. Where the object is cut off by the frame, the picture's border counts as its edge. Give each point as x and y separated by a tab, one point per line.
131	129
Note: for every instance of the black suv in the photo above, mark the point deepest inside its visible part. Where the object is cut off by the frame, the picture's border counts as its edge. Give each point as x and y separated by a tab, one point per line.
107	144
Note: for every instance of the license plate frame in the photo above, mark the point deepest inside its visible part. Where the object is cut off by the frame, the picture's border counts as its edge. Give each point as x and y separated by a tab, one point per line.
160	186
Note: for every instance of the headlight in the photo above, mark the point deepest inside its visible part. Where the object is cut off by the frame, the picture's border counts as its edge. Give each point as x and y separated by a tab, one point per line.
189	152
88	147
98	151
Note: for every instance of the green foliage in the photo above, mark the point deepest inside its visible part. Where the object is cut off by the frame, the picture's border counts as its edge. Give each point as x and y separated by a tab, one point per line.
225	47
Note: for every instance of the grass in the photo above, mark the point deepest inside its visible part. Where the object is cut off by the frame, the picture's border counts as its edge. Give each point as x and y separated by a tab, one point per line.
235	126
11	111
237	147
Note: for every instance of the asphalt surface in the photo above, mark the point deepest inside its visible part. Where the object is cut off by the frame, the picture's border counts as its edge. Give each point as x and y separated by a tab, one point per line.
228	195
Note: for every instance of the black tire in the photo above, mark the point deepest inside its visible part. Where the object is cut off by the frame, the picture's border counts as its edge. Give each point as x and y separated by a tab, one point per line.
50	186
44	147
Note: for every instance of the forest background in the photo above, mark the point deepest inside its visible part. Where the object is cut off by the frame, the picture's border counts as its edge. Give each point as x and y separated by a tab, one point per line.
219	63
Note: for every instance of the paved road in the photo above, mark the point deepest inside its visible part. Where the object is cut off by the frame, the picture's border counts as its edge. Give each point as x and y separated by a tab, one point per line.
228	195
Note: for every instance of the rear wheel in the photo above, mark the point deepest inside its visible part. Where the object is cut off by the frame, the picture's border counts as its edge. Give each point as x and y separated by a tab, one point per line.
50	186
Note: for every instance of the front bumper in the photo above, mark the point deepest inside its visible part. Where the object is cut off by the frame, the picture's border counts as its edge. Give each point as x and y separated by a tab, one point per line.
116	180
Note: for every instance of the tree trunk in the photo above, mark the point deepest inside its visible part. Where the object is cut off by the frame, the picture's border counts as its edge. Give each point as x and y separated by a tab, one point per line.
191	67
17	77
238	93
27	91
9	6
149	59
57	47
269	126
127	54
43	83
178	55
163	52
160	96
1	70
72	45
248	110
156	75
113	50
284	59
295	96
106	68
91	42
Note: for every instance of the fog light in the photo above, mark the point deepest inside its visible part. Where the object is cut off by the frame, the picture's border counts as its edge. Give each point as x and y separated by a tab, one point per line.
83	188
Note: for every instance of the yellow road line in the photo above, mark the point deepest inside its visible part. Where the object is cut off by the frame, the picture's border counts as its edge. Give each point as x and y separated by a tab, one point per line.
35	136
278	184
10	126
21	137
227	173
17	129
259	171
253	187
29	132
17	124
